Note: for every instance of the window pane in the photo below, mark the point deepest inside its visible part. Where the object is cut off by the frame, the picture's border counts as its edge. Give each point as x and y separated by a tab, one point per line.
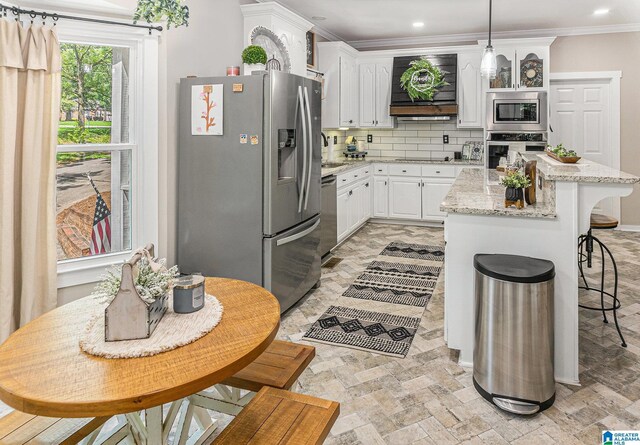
89	221
95	95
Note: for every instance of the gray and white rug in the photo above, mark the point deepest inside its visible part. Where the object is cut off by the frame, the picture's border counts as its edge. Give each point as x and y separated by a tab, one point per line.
393	288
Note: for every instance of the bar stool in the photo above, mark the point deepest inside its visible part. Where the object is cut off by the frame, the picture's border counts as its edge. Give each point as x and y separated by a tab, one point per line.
586	242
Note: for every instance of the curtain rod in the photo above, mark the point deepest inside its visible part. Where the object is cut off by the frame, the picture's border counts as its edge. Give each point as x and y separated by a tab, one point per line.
55	16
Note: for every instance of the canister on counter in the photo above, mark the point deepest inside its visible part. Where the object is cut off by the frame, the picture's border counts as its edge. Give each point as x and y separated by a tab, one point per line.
188	294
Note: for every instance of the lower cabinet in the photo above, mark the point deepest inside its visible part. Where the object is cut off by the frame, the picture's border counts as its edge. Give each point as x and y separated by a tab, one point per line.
380	197
405	198
354	207
433	193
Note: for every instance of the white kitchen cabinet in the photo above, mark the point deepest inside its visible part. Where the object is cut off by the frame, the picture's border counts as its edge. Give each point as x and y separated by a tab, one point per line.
433	193
405	197
337	61
469	90
375	94
523	65
380	197
343	213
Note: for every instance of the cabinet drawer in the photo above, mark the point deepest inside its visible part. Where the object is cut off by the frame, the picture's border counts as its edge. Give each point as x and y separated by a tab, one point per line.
357	175
381	169
404	170
345	179
439	171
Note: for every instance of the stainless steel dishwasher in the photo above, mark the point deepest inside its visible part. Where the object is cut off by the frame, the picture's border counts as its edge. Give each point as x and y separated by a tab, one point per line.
328	215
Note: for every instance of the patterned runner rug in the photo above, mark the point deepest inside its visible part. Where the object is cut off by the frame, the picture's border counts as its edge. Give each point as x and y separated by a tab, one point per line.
406	282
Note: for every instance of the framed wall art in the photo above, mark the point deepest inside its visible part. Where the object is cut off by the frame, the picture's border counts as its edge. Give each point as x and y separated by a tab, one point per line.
206	110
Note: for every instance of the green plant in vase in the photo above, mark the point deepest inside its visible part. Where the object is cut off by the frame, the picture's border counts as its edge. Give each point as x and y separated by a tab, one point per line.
171	11
515	183
254	58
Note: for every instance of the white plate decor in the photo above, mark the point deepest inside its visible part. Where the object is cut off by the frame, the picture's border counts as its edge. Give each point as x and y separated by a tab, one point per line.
272	45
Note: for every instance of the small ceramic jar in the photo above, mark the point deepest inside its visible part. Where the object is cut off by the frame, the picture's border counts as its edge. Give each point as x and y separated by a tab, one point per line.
188	294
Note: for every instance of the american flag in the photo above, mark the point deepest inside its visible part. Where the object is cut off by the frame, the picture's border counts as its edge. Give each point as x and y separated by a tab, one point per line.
101	232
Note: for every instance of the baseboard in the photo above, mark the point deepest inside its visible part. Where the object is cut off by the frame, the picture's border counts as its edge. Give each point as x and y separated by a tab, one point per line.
629	228
407	222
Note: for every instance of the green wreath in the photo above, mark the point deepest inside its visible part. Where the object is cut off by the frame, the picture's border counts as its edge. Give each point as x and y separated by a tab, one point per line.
422	79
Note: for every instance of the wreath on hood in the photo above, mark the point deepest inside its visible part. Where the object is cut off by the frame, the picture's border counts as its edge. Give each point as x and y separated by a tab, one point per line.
422	79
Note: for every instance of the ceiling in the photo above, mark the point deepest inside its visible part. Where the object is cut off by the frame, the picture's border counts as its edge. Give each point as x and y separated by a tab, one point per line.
363	20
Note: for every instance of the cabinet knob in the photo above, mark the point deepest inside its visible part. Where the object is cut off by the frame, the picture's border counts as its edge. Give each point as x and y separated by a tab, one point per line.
367	184
351	121
404	171
376	122
355	176
438	171
350	192
385	182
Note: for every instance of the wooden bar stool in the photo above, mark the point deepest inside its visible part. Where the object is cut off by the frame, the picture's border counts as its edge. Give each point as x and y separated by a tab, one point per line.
586	242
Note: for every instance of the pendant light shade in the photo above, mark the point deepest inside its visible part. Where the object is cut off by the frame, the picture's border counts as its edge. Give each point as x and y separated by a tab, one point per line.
489	65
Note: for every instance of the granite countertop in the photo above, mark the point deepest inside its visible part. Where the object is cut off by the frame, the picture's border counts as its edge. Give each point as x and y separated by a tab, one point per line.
350	164
477	192
583	171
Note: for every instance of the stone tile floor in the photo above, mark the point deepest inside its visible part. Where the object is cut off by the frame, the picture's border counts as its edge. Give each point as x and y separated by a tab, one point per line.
427	398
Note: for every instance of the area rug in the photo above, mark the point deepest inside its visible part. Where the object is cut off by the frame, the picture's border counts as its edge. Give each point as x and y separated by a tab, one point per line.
398	291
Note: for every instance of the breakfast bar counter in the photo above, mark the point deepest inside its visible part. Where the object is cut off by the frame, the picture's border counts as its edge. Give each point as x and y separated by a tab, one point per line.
477	222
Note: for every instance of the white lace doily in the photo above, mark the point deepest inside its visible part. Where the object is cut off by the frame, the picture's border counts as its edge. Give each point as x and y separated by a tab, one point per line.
173	331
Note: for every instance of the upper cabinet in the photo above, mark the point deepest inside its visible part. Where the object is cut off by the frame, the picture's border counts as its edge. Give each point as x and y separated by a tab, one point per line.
375	94
337	61
521	65
289	27
469	90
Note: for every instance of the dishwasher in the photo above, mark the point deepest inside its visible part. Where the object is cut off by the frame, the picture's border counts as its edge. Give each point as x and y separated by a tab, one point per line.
328	216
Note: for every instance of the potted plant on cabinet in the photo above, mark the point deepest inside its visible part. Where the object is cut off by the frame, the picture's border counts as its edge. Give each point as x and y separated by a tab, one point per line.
254	58
515	184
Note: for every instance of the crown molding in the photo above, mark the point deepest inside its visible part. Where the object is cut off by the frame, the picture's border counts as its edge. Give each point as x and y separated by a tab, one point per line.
323	32
276	10
473	37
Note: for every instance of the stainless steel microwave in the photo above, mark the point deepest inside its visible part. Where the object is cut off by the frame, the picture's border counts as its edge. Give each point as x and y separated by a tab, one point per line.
517	111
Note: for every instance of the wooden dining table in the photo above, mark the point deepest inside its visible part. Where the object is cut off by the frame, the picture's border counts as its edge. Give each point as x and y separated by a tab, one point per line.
44	372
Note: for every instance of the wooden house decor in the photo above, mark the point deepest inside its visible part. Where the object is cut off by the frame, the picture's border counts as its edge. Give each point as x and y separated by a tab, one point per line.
128	316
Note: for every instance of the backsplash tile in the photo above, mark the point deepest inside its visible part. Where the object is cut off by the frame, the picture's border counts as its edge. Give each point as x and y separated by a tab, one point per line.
410	140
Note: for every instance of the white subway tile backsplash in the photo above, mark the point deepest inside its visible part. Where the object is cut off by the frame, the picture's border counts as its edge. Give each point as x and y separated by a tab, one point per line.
392	140
405	133
411	140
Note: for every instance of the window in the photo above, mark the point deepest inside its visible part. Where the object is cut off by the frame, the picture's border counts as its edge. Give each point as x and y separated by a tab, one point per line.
106	159
93	182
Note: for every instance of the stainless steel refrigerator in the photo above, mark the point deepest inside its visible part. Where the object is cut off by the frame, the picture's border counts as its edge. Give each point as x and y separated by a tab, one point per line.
249	200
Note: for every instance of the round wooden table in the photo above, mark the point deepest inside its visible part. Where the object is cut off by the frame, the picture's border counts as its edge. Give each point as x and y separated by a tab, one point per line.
43	371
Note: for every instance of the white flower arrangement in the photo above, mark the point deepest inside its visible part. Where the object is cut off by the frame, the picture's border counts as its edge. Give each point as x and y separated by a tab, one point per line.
149	284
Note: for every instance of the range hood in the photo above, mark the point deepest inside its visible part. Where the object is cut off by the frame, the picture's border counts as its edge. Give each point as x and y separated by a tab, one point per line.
443	105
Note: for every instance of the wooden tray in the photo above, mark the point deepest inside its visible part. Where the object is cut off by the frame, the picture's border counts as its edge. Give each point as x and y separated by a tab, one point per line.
564	160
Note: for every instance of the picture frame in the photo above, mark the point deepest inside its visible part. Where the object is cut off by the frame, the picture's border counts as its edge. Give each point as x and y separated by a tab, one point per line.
311	49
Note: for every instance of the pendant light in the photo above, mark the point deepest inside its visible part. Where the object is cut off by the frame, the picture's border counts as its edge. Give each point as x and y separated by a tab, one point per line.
489	66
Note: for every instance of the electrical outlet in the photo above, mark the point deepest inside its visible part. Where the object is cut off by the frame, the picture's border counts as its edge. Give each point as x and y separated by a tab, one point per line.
445	139
335	140
369	138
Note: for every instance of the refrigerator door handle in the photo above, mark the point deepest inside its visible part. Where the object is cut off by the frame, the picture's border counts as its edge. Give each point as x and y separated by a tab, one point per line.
304	149
310	148
297	236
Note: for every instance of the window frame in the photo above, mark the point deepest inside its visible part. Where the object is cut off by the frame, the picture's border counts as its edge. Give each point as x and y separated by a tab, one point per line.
143	142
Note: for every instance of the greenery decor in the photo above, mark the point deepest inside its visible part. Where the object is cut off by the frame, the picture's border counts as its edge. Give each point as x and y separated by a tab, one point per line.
516	180
253	54
171	11
422	79
150	284
561	151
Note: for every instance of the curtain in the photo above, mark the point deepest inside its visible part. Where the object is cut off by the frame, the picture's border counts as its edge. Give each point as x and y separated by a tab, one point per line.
29	112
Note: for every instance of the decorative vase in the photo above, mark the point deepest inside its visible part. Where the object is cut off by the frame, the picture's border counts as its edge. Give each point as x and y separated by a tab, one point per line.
253	67
514	196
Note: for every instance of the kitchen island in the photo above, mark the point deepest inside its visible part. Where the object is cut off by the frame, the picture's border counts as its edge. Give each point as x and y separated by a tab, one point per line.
477	222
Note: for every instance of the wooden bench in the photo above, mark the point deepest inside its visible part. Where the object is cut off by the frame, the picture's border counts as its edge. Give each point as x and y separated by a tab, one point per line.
278	367
17	428
281	417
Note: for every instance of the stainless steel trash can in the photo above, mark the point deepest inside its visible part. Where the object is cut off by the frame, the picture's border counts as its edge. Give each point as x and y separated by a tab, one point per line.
513	351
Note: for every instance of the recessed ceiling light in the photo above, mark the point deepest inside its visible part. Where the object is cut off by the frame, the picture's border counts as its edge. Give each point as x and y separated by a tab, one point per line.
418	24
319	18
602	11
